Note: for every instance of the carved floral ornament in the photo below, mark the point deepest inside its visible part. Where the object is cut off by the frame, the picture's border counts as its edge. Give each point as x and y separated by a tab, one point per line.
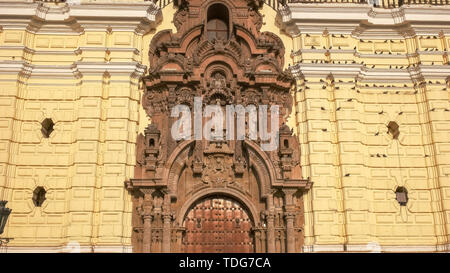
224	59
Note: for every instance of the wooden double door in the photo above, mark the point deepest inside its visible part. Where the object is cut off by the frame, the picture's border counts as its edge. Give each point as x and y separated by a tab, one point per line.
217	224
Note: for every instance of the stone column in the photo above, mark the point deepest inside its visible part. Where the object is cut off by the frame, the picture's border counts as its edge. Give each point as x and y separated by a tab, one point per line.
179	241
270	217
270	232
290	232
257	234
147	236
290	218
167	219
147	217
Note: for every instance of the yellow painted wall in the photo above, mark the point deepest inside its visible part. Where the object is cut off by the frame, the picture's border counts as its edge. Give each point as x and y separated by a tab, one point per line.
355	164
98	115
84	163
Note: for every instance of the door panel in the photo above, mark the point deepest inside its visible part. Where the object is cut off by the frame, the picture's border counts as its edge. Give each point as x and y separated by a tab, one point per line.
217	225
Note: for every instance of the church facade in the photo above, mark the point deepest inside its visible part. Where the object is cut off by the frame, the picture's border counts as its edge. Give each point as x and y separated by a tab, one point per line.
89	161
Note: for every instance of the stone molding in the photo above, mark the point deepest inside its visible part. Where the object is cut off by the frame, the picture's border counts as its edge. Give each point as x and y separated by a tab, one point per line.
375	248
346	18
139	17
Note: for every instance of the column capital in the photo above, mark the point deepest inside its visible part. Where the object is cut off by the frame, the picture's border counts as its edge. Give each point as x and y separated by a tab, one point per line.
290	214
269	214
289	195
147	216
167	215
289	191
147	191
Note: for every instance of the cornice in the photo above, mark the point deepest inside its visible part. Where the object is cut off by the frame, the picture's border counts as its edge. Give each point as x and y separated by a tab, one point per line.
65	18
435	71
77	70
295	18
134	69
363	73
375	248
323	70
12	67
70	248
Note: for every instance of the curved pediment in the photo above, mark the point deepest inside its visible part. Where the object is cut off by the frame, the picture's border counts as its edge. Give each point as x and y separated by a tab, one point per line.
212	39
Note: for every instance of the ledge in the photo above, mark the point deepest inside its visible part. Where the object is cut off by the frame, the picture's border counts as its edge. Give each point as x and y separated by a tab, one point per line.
296	17
44	17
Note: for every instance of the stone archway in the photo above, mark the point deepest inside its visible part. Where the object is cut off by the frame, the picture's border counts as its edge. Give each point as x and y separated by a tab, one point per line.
217	224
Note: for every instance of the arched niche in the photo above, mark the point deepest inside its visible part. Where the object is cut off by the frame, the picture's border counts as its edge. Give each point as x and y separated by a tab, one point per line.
218	22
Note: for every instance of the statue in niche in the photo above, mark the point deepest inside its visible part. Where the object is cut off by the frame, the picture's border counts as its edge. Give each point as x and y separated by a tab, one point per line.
157	201
218	92
239	166
218	81
197	165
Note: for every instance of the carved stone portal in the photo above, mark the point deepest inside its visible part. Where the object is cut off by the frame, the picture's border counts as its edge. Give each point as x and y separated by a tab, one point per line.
216	195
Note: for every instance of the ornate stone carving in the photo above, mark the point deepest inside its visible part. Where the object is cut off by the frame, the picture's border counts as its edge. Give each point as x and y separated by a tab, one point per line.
236	65
218	171
251	97
239	166
184	95
218	92
197	166
181	16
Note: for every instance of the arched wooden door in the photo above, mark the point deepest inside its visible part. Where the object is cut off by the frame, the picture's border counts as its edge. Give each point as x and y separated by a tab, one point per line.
217	224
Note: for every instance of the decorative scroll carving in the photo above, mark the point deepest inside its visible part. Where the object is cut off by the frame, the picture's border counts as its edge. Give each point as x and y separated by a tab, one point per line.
181	16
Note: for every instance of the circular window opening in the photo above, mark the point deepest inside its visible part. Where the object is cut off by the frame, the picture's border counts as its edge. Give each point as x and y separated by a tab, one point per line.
39	196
